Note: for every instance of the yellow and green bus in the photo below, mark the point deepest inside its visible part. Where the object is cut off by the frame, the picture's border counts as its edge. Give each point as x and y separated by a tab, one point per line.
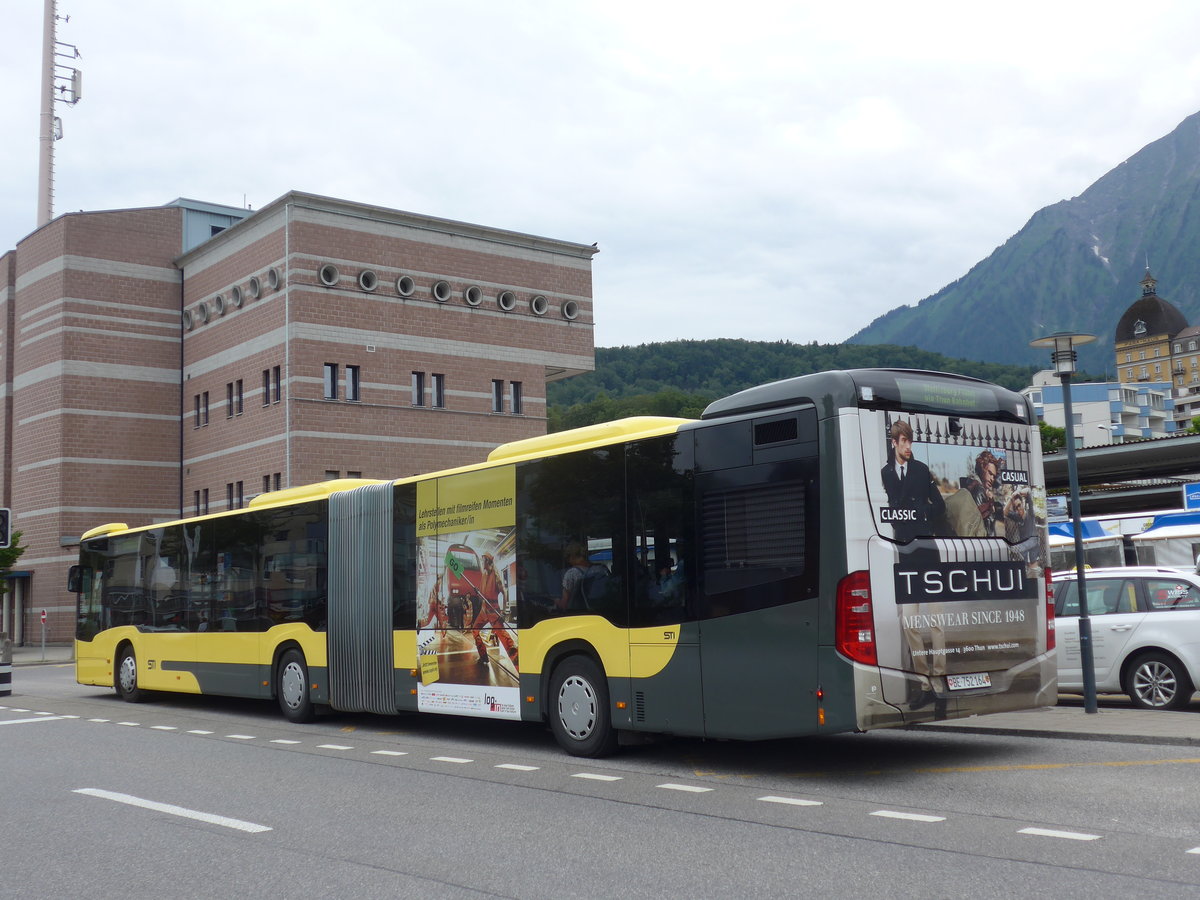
835	552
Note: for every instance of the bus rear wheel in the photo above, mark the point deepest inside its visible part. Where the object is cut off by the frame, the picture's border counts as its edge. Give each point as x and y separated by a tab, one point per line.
579	714
291	687
126	680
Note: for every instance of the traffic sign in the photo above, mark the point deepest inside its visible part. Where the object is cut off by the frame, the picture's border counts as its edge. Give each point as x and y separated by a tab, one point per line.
43	617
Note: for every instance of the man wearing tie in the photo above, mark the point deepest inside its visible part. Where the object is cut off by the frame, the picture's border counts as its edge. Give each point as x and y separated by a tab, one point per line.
914	501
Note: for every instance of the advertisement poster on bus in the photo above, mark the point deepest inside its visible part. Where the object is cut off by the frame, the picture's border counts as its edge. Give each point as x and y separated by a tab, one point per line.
466	609
966	555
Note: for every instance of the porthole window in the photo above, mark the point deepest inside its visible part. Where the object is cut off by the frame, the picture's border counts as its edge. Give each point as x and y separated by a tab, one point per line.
329	275
273	279
405	286
202	312
540	305
473	295
255	288
368	280
218	303
188	322
570	310
441	291
506	300
235	297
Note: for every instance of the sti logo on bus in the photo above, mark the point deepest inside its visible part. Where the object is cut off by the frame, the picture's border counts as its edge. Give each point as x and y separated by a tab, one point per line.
949	582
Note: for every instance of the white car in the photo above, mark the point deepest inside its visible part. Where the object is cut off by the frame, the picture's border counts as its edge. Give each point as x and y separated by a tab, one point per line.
1145	633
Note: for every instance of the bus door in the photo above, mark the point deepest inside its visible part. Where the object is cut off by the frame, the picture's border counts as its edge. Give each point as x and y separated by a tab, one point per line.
162	610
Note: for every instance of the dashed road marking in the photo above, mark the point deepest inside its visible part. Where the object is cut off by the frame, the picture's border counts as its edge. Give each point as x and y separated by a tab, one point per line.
910	817
199	731
517	768
333	747
28	721
450	759
390	752
212	819
689	788
241	737
592	776
283	741
163	727
791	801
1065	835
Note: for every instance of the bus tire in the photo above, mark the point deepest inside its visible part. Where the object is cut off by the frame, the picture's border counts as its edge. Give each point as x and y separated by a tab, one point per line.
579	712
291	687
125	678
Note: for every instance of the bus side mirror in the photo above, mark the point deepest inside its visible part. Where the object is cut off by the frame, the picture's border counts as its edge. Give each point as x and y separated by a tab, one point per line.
75	579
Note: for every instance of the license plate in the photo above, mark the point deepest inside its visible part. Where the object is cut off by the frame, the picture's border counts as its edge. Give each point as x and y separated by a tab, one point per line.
965	682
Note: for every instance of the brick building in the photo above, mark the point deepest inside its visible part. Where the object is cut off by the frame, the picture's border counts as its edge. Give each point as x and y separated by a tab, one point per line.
180	359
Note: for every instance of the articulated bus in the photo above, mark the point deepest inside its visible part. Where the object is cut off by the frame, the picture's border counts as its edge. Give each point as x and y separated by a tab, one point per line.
834	552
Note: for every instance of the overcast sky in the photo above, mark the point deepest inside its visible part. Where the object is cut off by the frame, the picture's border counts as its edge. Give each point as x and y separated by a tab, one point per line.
765	170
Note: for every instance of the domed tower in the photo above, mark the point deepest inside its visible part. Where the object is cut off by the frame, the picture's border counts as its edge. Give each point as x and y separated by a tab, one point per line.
1144	334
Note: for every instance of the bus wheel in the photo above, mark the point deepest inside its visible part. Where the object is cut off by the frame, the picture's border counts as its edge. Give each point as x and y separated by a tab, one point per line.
291	687
126	681
579	713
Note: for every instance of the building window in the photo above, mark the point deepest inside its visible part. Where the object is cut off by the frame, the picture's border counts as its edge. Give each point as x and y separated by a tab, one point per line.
204	501
241	495
353	383
514	396
278	479
331	377
204	408
196	406
229	495
195	503
439	391
497	396
277	383
239	397
229	400
1129	374
266	387
418	388
1191	345
1128	357
350	474
266	483
331	474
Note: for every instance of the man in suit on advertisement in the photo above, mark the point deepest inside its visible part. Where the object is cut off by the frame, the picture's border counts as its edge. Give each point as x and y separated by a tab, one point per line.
914	501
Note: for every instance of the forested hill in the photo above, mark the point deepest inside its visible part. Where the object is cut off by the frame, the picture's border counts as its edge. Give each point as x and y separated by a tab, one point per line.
676	378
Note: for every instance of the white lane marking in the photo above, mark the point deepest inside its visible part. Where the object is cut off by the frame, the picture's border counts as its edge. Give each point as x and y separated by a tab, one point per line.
1065	835
199	731
283	741
131	724
163	727
594	777
517	768
333	747
19	709
908	817
450	759
390	752
27	721
689	788
43	714
791	801
241	737
223	821
1195	850
97	720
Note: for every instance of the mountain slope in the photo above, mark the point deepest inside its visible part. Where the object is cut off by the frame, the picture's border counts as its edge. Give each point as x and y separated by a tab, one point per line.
1075	266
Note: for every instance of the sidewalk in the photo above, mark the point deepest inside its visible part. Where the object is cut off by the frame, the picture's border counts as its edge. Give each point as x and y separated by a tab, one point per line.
32	655
1116	720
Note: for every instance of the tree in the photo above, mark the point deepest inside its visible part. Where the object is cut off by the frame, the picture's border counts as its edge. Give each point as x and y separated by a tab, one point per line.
1053	439
8	558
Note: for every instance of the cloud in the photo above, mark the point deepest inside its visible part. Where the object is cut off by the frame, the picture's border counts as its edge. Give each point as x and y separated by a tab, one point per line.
779	170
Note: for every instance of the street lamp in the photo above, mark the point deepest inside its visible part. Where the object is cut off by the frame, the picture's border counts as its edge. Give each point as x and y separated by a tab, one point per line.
1062	345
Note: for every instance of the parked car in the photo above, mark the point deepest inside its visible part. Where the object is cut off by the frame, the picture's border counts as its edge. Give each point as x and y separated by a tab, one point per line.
1145	633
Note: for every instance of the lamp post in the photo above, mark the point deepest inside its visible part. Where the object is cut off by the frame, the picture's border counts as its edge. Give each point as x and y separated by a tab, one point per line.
1062	345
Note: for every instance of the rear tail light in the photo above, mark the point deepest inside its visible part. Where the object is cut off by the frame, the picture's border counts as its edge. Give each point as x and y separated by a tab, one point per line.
854	620
1050	638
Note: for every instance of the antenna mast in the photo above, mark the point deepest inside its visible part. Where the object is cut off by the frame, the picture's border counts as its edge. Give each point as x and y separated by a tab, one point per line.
64	86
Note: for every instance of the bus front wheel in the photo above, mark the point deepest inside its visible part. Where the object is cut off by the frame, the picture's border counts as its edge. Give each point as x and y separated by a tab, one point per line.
291	687
126	681
579	714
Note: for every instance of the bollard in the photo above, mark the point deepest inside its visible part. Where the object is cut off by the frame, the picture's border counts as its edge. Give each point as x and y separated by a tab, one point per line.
5	665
